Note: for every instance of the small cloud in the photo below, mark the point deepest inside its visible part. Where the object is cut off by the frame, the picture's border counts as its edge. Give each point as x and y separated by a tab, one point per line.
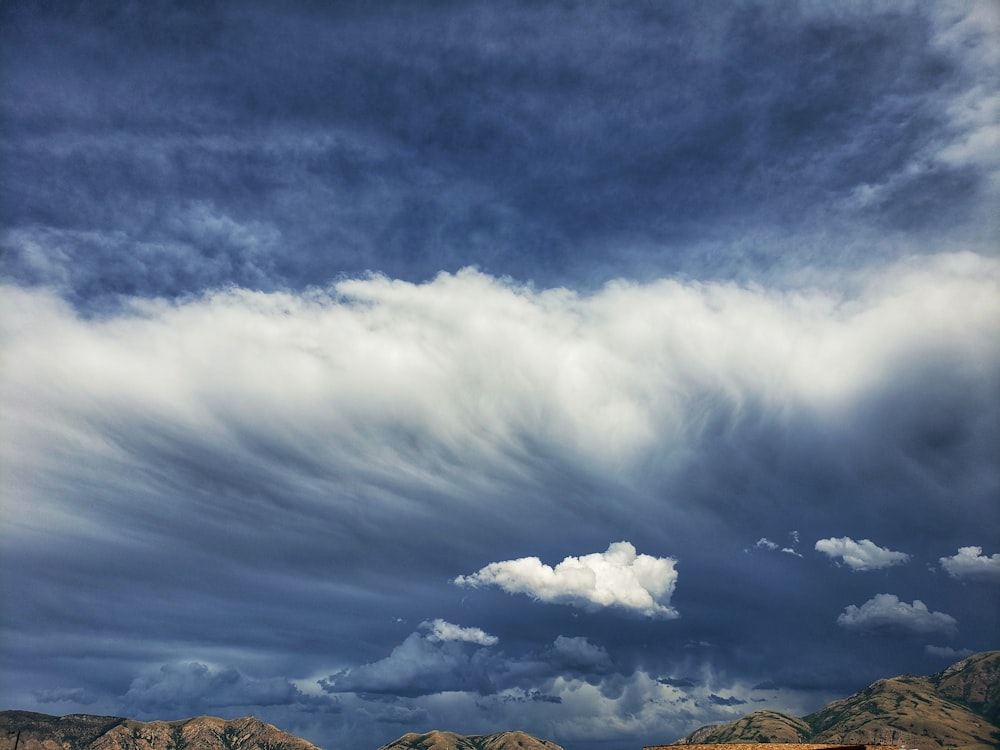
616	578
860	556
718	700
946	652
676	681
970	562
440	630
763	543
886	612
79	696
790	551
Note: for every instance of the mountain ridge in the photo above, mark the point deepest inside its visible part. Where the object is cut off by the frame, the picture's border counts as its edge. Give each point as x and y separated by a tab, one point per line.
35	731
958	707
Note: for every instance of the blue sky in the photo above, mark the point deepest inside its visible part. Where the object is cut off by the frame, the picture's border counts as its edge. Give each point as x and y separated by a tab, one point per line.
601	370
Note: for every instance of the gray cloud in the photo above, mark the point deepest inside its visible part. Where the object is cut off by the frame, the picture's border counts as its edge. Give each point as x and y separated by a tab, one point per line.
429	138
887	612
182	689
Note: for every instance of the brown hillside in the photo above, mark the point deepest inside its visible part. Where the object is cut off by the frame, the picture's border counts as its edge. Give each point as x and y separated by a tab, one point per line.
973	682
956	708
82	732
760	726
450	741
901	711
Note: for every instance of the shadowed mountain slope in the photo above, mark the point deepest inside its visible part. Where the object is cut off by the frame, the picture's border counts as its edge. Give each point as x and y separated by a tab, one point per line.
956	708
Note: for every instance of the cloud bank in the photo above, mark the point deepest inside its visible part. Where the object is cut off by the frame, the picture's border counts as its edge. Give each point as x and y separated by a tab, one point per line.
860	556
616	578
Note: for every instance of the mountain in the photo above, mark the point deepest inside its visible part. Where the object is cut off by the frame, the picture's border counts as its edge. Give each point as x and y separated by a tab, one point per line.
31	731
449	741
956	708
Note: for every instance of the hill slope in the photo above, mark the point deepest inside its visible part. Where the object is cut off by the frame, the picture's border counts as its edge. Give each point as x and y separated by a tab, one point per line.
956	708
449	741
32	731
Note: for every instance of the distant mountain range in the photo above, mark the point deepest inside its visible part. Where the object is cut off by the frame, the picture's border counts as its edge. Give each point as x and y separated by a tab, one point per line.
956	708
450	741
31	731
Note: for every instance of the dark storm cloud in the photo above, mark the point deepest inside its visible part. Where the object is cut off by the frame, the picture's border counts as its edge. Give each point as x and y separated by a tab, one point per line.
161	149
242	476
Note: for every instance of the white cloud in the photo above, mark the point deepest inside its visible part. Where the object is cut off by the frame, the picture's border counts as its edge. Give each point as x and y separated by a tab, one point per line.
887	612
339	378
860	556
970	562
765	543
616	578
440	630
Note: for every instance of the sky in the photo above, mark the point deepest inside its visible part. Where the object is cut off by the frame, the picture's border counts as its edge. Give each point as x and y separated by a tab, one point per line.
601	370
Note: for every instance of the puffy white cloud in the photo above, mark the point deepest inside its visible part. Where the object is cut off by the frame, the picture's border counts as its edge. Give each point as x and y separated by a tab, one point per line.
441	630
618	577
860	556
970	562
887	612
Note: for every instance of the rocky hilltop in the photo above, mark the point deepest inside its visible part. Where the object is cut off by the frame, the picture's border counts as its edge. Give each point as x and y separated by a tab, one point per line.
32	731
956	708
450	741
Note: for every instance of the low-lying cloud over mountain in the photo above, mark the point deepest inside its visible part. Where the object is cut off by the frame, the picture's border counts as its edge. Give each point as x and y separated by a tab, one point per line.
562	366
